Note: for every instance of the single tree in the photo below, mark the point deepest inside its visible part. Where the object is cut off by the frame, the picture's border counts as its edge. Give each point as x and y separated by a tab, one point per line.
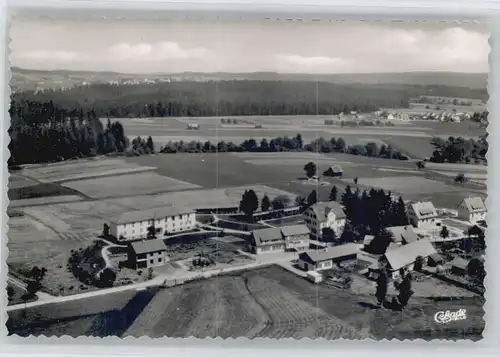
106	278
460	178
380	242
382	285
150	145
105	230
420	165
150	273
445	233
328	235
265	204
312	198
419	263
300	201
249	203
405	290
334	193
355	180
10	292
151	232
310	169
280	202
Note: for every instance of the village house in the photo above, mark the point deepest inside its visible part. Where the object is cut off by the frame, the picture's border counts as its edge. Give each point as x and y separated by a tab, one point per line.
407	255
147	254
296	237
267	240
166	220
333	171
325	258
435	260
402	234
472	209
422	214
325	215
459	266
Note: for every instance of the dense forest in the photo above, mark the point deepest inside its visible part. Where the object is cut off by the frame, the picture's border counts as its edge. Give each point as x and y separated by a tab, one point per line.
43	132
244	97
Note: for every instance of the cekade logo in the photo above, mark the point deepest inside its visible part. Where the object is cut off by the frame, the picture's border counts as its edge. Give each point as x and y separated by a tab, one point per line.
443	317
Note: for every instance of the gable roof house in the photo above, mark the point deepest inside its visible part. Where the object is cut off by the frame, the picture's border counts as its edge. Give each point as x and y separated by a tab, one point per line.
333	171
325	258
296	236
422	214
147	254
406	255
267	240
325	215
403	234
472	209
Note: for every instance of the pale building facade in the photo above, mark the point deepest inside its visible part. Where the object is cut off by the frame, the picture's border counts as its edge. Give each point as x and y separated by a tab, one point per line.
325	215
472	209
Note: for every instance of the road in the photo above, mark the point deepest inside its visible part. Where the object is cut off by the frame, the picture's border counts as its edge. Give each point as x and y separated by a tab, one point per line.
177	275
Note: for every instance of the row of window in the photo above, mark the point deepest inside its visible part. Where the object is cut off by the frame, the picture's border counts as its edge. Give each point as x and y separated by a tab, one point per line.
150	222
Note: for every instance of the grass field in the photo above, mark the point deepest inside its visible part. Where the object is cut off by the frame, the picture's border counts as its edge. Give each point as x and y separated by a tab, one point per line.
128	185
407	185
268	302
81	169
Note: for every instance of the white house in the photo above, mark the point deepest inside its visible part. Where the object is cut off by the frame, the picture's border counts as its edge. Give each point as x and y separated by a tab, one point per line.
267	240
472	209
296	237
322	259
422	214
166	220
324	215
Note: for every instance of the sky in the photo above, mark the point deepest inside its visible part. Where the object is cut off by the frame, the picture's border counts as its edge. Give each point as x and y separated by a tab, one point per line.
169	46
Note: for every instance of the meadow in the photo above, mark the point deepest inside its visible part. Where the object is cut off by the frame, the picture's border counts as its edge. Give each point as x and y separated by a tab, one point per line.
267	302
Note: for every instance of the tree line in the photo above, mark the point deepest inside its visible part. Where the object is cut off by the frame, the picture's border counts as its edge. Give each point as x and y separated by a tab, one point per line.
459	150
43	132
285	144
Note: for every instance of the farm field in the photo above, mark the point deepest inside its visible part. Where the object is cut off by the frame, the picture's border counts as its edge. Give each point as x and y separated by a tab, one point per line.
222	197
268	302
406	185
43	201
128	185
81	169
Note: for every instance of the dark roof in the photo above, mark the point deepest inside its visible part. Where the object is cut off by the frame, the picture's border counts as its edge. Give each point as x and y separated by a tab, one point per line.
154	213
329	253
321	208
296	229
267	235
368	239
148	246
436	257
407	254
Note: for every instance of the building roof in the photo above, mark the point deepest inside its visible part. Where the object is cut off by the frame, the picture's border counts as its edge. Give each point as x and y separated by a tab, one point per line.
267	235
154	213
148	246
474	204
424	210
436	257
368	239
338	251
321	210
335	169
404	234
296	229
407	254
459	263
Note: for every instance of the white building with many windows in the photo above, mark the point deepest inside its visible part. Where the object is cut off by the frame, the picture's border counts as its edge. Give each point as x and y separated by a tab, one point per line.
325	215
472	209
422	214
166	220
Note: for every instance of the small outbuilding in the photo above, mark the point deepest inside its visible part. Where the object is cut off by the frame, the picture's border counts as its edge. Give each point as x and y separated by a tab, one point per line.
334	171
322	259
435	260
459	266
147	254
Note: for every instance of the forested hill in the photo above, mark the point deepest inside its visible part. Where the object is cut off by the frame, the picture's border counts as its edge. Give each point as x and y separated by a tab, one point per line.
27	79
242	97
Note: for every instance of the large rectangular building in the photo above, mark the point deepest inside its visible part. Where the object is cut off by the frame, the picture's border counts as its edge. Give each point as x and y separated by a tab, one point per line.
325	215
322	259
166	220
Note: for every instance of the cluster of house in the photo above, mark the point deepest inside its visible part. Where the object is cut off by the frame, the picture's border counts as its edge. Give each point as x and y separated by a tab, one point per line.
419	115
138	227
